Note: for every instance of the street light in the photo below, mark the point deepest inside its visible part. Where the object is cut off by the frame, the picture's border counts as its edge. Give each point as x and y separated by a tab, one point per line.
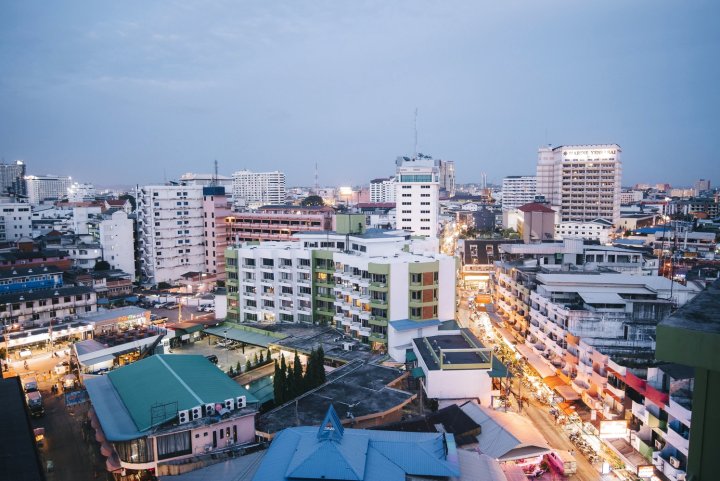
226	347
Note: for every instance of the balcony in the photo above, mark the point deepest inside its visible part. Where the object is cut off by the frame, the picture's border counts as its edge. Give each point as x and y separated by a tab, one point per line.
678	435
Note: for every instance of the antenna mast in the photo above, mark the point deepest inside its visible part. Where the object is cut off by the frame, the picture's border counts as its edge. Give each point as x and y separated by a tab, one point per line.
215	175
415	150
317	185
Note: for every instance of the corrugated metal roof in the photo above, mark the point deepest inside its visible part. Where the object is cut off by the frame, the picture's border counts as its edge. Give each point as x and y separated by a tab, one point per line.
188	380
358	454
407	324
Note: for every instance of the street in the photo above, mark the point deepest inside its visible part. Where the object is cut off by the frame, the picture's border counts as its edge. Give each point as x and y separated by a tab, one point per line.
538	413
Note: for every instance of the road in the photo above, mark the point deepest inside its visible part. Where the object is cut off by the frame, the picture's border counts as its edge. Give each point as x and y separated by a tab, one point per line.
538	414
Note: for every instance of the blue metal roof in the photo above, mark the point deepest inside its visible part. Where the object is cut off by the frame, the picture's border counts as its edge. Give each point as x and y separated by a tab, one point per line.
332	452
407	324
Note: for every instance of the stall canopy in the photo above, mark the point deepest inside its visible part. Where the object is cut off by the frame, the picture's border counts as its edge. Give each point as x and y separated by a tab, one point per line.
506	436
567	392
543	367
245	334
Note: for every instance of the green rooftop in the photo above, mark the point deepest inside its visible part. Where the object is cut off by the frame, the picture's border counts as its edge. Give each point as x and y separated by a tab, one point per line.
188	380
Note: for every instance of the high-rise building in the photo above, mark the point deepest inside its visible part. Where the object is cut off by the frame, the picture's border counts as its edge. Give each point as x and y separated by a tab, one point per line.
581	181
446	175
78	192
216	209
15	221
253	189
382	190
417	195
518	190
114	232
41	187
170	232
12	178
701	185
361	282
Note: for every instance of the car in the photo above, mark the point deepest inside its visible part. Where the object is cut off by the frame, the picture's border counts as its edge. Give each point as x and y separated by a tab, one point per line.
62	368
209	309
212	358
172	305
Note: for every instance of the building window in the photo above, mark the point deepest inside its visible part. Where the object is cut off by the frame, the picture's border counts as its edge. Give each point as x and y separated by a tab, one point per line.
174	445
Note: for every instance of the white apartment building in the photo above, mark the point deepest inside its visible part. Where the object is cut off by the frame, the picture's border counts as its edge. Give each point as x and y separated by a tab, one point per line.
417	196
115	233
78	192
216	209
15	221
582	182
631	196
254	189
270	282
446	175
361	283
382	191
170	232
518	190
579	321
599	230
41	187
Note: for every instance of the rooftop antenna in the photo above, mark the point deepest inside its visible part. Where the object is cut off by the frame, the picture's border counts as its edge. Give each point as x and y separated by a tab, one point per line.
415	150
317	185
215	175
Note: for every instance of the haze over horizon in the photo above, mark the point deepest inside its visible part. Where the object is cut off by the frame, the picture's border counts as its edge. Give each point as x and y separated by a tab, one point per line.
134	92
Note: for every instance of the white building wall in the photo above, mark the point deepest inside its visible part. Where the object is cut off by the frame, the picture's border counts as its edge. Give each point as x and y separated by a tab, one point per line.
254	189
398	292
417	197
17	219
117	238
40	187
518	190
383	191
170	225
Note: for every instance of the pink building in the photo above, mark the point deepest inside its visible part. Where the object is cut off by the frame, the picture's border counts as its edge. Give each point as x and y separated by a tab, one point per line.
216	209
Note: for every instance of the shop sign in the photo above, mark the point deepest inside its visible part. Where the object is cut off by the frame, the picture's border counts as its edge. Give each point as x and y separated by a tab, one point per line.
613	429
646	471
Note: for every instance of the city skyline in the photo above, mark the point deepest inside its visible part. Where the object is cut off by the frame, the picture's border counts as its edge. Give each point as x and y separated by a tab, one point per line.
145	92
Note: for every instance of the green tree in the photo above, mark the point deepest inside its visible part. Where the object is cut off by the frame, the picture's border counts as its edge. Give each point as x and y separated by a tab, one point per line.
255	359
284	376
278	384
163	285
248	366
310	378
297	375
101	266
133	202
262	361
312	201
237	368
320	366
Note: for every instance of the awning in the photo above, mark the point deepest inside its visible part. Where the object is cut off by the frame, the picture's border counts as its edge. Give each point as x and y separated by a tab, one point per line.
246	335
417	372
567	392
410	356
498	368
543	367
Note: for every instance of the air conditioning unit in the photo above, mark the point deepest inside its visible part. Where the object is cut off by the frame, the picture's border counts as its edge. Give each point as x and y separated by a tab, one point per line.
674	462
240	402
229	404
184	416
209	409
196	413
659	445
347	346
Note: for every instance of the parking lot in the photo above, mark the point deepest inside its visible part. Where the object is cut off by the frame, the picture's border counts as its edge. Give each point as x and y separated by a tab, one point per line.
226	357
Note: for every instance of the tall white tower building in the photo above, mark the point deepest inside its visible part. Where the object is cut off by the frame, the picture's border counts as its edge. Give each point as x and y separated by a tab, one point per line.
253	189
170	232
518	190
382	190
582	182
417	196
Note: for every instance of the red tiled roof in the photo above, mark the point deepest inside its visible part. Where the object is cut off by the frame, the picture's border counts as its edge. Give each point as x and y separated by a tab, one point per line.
535	207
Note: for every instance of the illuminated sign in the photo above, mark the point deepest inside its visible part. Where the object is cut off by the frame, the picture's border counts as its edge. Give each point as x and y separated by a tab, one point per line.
589	153
646	471
613	429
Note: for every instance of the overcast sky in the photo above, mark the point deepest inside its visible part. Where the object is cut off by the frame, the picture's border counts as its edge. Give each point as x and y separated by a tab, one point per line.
136	91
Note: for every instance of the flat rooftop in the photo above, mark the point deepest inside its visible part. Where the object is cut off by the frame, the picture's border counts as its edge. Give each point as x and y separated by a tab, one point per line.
20	459
430	349
306	338
357	387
